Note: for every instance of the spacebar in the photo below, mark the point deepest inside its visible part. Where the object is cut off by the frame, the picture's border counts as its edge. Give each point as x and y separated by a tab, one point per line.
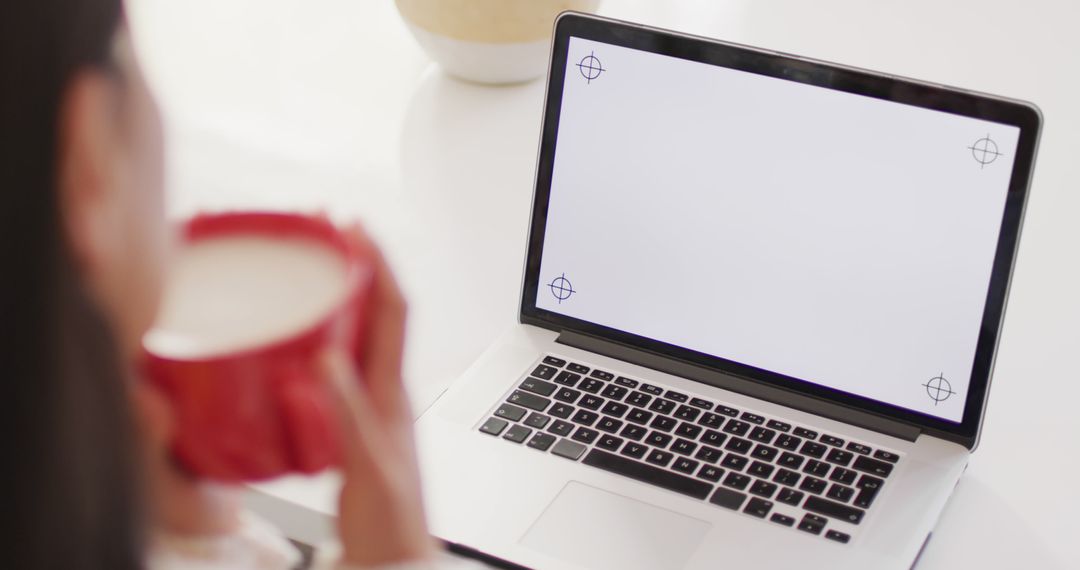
647	473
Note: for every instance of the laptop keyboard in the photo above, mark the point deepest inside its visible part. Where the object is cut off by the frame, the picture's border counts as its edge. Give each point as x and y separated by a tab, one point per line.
765	467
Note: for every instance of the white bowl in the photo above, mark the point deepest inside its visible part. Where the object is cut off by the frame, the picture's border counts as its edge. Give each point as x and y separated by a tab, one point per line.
487	41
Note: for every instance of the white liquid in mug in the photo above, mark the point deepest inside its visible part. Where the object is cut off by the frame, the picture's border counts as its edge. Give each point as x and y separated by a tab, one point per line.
232	293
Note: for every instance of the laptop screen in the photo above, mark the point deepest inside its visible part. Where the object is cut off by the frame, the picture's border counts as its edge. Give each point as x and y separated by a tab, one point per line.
833	238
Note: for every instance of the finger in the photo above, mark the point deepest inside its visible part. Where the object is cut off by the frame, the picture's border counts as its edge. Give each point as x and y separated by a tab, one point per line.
361	435
382	356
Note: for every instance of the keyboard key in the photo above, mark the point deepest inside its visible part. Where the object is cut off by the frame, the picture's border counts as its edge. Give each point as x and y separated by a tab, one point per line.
658	439
736	427
517	433
614	392
711	420
759	469
640	399
568	449
591	402
736	481
734	462
815	467
537	420
837	536
585	435
683	446
559	427
726	410
834	510
790	497
790	460
788	442
738	445
782	519
624	381
654	390
610	425
807	433
763	489
494	426
812	524
561	410
610	443
633	432
615	409
590	385
858	448
574	367
544	372
687	413
541	441
844	476
787	477
813	449
538	386
832	440
727	498
868	482
567	395
778	425
635	450
713	438
865	498
676	396
638	416
567	378
758	507
764	452
602	375
690	431
663	423
839	457
813	485
700	403
710	473
886	456
585	417
840	493
752	418
708	454
685	465
658	457
872	466
662	406
762	435
556	362
510	412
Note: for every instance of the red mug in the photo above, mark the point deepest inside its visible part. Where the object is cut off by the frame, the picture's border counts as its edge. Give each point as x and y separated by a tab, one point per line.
256	412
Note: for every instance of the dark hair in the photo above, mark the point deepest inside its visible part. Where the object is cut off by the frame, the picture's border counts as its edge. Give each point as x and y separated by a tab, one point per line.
73	501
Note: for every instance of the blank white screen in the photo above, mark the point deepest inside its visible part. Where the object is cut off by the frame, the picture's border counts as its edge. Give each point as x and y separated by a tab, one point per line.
838	239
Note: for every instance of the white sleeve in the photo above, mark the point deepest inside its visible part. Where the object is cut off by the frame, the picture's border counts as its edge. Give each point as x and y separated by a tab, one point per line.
255	545
328	556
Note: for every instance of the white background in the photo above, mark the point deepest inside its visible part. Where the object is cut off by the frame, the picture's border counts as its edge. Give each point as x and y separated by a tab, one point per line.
331	104
834	238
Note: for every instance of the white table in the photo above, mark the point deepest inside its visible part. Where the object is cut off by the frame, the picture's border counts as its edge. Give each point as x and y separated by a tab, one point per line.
329	104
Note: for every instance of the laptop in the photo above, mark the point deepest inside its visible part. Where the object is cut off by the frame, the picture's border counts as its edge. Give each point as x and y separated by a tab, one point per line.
761	300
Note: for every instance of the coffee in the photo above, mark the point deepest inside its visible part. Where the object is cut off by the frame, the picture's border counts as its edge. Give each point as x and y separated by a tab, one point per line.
233	293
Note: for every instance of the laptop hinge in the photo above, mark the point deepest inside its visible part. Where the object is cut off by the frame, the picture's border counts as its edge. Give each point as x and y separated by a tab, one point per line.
741	385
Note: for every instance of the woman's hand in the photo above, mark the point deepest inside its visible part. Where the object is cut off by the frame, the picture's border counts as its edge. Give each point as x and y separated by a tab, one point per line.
381	516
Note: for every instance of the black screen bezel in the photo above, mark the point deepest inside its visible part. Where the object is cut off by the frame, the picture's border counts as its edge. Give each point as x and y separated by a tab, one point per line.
784	66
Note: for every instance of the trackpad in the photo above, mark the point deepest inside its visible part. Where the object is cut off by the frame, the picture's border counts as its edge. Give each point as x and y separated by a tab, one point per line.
599	529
